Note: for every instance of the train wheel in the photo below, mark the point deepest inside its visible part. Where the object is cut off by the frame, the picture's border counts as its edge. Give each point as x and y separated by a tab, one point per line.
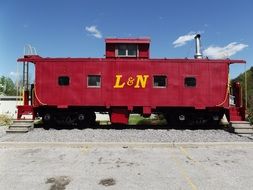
171	120
47	121
86	119
91	119
81	120
46	126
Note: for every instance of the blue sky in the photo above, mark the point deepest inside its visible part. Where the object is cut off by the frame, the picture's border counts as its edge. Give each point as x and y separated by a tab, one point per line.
77	28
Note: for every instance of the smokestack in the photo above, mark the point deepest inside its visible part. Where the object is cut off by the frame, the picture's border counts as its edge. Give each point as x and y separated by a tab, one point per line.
198	54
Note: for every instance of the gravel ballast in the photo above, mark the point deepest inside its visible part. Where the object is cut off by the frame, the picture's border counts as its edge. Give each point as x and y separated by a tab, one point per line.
123	135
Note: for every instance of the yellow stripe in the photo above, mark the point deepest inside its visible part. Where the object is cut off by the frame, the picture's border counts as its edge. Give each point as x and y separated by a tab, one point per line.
184	151
184	174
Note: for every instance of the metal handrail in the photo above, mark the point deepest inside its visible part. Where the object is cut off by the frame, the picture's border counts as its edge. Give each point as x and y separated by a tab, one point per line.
29	50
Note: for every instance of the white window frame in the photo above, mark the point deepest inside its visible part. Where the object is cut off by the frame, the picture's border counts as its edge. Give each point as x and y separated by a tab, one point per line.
166	81
92	75
117	50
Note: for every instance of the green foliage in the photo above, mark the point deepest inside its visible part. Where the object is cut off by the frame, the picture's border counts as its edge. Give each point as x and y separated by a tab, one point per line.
7	86
250	116
139	120
241	79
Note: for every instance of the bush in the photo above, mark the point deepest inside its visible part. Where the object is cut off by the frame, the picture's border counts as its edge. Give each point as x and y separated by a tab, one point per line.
250	116
5	120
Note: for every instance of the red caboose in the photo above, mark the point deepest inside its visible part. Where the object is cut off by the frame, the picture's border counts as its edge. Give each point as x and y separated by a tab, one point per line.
190	91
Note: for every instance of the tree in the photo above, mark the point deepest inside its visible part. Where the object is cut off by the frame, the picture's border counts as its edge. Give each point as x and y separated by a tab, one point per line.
241	79
7	86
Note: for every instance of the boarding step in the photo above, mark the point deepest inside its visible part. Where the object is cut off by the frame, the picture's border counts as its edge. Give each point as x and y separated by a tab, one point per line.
237	113
20	126
241	127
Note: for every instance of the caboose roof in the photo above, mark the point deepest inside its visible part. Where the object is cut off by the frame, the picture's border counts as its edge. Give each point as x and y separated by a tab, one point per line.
128	40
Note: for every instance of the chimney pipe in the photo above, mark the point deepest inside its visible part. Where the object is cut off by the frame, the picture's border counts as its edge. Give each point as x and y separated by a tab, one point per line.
198	54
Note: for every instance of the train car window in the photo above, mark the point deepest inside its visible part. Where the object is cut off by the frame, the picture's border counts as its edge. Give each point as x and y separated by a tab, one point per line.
122	50
94	80
132	50
190	82
160	81
63	80
127	50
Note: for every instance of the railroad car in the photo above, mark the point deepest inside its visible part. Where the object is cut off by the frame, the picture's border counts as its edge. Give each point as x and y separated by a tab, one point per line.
186	91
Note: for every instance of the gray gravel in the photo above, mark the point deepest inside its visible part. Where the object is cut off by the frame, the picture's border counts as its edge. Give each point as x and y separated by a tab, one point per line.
124	135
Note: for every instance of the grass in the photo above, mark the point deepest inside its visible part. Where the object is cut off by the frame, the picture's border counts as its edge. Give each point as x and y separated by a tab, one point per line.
5	120
136	119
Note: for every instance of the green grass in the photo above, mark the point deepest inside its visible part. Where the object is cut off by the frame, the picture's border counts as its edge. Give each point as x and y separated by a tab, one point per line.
139	120
134	119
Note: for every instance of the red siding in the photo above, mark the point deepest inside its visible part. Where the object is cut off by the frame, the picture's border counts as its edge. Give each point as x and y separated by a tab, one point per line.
110	50
143	46
144	51
210	90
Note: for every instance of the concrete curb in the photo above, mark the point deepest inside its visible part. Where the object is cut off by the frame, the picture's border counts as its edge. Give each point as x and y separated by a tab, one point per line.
120	144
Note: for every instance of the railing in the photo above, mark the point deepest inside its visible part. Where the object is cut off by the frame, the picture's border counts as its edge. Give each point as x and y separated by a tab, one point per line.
231	100
29	50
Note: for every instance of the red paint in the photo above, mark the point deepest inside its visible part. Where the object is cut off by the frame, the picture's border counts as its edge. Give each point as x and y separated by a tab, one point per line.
237	94
25	110
26	97
210	90
142	43
237	113
119	115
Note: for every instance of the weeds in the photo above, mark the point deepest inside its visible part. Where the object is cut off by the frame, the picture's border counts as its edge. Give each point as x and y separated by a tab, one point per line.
5	119
139	120
250	116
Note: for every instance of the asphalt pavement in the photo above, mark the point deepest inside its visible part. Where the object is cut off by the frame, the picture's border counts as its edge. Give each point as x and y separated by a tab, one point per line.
140	166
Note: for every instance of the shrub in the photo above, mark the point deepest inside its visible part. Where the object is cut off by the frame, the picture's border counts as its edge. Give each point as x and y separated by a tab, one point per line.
5	120
250	116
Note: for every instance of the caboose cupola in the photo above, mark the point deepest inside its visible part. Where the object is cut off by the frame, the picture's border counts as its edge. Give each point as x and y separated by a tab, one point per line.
130	48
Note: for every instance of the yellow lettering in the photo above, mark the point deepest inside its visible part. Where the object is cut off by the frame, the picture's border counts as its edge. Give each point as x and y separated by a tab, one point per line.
130	81
117	82
141	80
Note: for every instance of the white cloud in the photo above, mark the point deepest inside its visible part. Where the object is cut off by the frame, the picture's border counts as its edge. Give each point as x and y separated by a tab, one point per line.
181	40
217	52
13	74
93	31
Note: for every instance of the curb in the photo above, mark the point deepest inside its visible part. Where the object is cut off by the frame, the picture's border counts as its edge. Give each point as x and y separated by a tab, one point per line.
120	144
